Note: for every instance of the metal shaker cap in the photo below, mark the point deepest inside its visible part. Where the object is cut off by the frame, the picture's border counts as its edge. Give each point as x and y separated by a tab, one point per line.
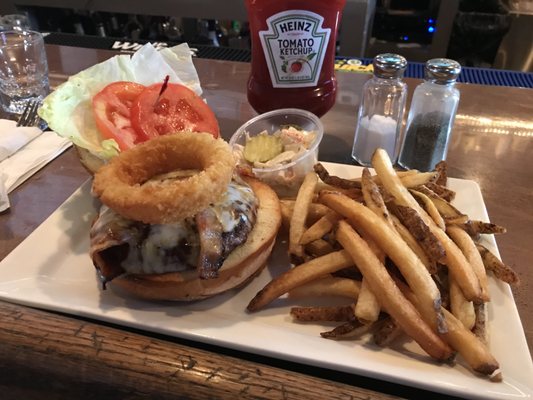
389	65
442	70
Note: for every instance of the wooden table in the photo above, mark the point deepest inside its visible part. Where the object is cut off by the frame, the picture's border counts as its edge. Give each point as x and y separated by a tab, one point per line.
50	355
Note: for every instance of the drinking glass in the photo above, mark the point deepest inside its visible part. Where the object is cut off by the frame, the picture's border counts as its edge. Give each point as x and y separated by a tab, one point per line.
23	69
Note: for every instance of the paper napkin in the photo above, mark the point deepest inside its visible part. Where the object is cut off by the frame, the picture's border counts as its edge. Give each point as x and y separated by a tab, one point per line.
27	159
12	138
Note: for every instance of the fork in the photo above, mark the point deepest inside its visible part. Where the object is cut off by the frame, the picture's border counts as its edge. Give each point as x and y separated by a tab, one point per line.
29	116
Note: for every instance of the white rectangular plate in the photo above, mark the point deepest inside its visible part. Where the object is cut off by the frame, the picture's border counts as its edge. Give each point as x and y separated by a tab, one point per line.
51	269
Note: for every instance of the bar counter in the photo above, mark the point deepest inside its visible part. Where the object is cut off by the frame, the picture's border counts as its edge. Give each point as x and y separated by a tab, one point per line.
52	355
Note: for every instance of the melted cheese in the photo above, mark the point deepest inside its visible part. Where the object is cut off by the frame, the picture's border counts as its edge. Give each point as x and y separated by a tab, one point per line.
236	204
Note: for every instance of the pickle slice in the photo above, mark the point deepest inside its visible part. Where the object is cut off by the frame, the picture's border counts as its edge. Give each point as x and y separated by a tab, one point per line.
262	148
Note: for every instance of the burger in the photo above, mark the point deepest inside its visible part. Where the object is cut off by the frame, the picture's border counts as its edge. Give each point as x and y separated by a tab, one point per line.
177	221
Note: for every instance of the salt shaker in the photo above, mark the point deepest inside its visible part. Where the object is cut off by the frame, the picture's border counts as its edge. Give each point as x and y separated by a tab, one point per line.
381	110
431	116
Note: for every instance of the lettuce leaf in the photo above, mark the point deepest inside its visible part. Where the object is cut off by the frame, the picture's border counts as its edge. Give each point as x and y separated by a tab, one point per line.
68	109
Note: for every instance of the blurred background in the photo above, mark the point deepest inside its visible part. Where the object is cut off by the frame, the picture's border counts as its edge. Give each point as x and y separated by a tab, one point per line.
477	33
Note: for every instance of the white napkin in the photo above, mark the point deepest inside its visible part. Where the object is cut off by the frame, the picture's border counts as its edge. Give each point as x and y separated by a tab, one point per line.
27	160
12	138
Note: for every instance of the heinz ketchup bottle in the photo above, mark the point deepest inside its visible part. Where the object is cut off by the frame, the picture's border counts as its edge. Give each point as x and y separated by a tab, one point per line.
293	54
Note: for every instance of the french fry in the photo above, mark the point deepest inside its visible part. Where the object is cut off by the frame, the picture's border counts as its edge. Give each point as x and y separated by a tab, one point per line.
414	245
321	185
475	227
469	346
455	260
323	313
414	272
335	181
401	174
430	208
421	232
500	270
319	247
386	332
415	180
445	208
391	298
353	193
468	247
316	211
320	227
410	178
460	307
442	279
480	327
367	307
328	286
472	349
456	220
348	330
442	173
373	198
300	213
442	191
299	275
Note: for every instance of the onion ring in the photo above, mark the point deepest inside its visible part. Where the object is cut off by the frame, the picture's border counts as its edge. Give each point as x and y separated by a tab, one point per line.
121	184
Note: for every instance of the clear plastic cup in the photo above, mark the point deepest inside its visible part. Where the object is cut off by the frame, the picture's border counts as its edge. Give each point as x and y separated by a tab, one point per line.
284	178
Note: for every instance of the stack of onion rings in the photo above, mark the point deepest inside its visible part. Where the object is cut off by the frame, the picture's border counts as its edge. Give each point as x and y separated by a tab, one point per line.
121	184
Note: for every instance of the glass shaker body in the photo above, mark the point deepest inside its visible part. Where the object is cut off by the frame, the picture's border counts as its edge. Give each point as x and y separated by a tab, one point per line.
381	111
430	121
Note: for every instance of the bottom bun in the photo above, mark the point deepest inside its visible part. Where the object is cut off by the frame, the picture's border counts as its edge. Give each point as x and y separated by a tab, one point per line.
244	263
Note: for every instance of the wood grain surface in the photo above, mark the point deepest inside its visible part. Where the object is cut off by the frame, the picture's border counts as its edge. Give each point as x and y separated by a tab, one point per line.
48	355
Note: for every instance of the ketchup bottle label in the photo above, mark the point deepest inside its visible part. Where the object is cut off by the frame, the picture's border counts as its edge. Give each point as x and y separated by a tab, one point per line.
294	46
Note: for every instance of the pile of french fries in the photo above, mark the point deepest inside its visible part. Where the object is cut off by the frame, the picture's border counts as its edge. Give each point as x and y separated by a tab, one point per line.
405	258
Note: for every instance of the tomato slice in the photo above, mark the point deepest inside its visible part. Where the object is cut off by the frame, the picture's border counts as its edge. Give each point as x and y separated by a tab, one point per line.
111	110
178	108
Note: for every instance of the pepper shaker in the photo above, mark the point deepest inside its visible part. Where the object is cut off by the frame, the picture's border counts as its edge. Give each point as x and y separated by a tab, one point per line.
431	116
381	110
